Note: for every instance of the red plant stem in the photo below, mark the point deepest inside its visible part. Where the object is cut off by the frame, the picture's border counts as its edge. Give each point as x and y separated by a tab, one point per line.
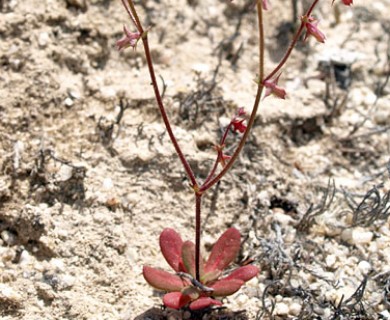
219	154
134	16
129	12
214	168
164	114
198	203
292	44
209	184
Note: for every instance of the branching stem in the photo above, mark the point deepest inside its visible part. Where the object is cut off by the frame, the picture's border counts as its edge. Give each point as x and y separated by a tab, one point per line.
251	120
212	179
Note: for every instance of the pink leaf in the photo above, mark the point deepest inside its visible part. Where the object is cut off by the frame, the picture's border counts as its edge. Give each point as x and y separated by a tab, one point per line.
188	257
204	302
163	280
171	246
224	251
244	273
175	300
226	287
210	276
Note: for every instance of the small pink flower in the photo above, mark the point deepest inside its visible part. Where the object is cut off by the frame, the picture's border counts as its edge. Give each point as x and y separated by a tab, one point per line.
346	2
241	112
266	5
238	125
129	39
273	88
311	29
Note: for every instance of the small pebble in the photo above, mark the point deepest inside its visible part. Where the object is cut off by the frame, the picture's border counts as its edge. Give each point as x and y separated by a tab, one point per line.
295	309
330	260
364	267
74	94
282	309
65	173
241	300
357	236
57	264
8	237
9	297
68	102
25	258
108	184
43	39
66	282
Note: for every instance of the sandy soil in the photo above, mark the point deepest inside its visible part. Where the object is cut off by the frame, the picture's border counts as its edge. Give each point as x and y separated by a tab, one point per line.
89	178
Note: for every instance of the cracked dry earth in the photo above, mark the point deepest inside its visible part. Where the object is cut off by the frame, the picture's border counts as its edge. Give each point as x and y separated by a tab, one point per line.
89	178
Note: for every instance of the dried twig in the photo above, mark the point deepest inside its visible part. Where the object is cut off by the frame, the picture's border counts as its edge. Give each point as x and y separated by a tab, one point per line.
314	211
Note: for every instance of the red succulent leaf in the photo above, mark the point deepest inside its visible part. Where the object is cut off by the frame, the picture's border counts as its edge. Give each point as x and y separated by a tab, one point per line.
224	251
163	280
204	302
210	276
188	257
175	300
171	247
226	287
192	292
244	273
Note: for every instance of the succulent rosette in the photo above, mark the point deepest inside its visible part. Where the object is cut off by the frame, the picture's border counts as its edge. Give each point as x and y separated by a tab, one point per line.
183	288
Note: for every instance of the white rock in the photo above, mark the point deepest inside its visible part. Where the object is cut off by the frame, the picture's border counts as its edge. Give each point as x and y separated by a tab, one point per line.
330	260
68	102
108	184
385	314
241	300
43	39
66	282
8	237
57	264
364	267
9	296
65	173
281	217
381	115
25	258
282	309
357	236
74	94
295	309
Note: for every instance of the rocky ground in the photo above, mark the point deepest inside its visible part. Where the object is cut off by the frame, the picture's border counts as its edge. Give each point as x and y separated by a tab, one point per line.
89	178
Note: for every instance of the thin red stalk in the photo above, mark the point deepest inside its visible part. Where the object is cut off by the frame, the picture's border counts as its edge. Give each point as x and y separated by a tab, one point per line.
164	114
292	44
214	168
131	15
198	203
134	16
209	184
219	154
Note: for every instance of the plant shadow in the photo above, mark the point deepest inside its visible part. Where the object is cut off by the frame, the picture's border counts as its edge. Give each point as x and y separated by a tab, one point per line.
209	314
